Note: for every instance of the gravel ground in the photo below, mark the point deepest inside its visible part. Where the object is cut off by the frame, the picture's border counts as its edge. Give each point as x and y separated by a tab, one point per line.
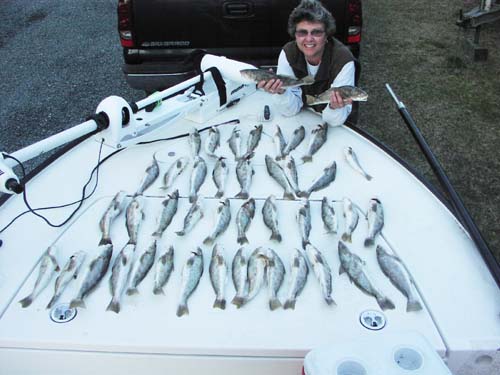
60	58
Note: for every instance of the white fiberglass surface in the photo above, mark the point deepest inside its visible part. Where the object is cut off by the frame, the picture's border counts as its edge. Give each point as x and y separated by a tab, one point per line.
417	227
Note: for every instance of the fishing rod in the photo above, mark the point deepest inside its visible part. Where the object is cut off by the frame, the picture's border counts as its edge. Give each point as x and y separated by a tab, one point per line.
460	211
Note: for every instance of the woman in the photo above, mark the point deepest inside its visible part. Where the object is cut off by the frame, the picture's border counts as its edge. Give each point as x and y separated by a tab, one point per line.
316	53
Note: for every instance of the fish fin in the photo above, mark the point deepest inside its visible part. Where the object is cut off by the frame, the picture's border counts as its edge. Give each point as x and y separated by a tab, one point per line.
242	195
308	80
132	290
238	301
77	302
208	241
192	198
220	304
158	290
305	243
289	304
341	270
104	241
182	310
242	239
276	237
368	177
180	233
219	194
369	242
288	196
309	99
25	302
413	305
307	158
329	300
385	303
347	237
274	304
52	301
114	306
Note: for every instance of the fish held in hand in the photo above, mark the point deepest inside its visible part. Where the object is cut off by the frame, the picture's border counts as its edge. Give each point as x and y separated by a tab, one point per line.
396	272
68	273
353	265
346	92
47	269
190	278
95	272
257	75
218	276
298	278
375	221
164	268
353	161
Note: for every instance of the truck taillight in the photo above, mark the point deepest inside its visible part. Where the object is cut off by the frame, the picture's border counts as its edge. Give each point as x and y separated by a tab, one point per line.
125	23
354	21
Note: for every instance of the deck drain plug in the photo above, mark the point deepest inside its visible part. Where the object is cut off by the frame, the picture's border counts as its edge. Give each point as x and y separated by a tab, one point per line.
372	319
62	313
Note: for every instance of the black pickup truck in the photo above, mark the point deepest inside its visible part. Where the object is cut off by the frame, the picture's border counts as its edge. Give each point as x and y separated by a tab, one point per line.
157	36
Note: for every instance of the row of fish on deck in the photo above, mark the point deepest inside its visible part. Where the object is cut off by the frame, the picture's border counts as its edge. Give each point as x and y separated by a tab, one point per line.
249	274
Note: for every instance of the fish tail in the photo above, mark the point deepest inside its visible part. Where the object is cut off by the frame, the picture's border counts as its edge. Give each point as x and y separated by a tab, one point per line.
308	80
290	304
77	302
52	301
288	195
158	290
347	237
305	243
180	233
385	303
157	234
309	99
219	194
307	158
242	195
368	177
242	239
208	241
105	241
329	300
274	304
114	306
132	290
413	305
220	304
238	301
369	242
304	194
182	310
25	302
276	236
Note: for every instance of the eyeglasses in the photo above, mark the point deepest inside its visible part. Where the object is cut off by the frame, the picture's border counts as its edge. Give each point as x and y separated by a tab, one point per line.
314	33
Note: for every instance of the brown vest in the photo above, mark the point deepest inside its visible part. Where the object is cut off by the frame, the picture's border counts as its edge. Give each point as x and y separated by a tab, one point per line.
335	56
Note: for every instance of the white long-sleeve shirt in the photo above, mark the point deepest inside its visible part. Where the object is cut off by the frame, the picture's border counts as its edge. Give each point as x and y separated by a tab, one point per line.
290	102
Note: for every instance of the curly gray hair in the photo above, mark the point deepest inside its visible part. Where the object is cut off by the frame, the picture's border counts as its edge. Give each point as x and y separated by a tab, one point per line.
311	11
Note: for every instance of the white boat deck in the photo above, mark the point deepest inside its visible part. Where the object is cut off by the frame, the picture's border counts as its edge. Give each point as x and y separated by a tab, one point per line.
461	300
